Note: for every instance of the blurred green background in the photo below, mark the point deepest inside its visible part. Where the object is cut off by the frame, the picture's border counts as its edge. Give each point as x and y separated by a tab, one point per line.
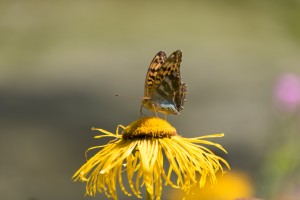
63	62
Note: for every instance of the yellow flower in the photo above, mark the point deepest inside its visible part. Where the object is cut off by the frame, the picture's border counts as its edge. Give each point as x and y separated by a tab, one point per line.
140	151
232	185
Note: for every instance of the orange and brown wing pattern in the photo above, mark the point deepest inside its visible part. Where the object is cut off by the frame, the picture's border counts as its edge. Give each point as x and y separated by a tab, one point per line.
164	91
153	71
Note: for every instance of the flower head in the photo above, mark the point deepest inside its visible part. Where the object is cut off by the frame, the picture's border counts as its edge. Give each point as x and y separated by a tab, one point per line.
232	185
287	92
140	150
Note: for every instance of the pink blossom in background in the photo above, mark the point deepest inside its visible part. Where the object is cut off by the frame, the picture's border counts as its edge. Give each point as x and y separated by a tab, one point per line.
287	92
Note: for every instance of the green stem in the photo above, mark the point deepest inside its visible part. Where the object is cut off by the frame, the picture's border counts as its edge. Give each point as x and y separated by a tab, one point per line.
148	196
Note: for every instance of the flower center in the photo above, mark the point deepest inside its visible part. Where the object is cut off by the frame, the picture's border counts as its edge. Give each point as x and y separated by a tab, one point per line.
147	128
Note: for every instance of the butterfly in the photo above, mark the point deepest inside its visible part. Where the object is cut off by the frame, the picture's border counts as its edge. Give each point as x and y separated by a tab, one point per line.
164	92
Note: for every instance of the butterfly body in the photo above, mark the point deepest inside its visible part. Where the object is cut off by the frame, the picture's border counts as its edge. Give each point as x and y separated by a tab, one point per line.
164	92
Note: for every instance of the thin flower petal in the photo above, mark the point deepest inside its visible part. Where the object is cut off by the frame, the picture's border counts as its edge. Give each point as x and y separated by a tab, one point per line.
140	151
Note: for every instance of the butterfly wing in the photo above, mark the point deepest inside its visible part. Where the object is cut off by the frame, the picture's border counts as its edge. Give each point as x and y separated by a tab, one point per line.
164	91
169	94
153	73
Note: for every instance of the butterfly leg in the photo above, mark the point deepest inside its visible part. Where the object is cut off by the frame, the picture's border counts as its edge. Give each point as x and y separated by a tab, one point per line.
141	111
166	117
154	110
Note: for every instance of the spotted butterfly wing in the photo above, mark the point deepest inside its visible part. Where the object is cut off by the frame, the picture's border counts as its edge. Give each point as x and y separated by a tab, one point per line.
164	91
152	74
